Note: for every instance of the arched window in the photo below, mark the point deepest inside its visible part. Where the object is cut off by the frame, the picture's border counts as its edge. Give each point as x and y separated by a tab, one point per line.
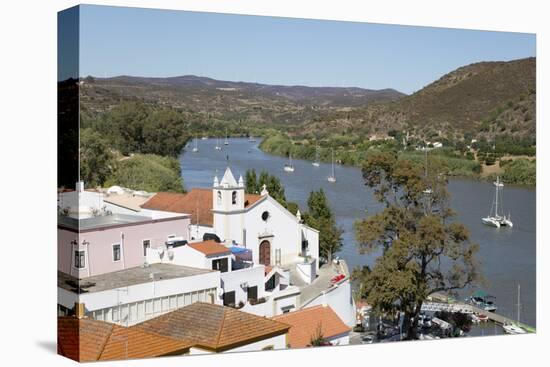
219	198
234	197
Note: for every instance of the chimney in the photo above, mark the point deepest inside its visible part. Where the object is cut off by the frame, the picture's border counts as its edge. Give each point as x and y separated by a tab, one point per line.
79	310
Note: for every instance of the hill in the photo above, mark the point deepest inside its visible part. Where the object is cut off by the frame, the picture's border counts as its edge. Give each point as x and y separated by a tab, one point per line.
479	100
488	98
226	100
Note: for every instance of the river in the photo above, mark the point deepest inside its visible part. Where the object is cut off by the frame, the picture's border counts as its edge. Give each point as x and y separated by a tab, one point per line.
507	256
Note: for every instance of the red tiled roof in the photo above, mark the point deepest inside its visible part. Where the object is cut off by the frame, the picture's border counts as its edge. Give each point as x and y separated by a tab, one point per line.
87	340
197	202
210	248
305	323
250	199
214	327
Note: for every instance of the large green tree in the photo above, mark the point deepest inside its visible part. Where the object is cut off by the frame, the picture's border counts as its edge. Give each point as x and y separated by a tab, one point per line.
320	217
423	250
96	159
148	172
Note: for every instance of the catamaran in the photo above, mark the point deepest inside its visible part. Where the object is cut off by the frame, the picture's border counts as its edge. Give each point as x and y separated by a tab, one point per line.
218	146
195	149
316	161
289	167
332	177
494	219
226	142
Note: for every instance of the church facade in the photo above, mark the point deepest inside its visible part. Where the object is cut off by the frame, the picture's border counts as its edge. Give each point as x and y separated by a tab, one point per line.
258	222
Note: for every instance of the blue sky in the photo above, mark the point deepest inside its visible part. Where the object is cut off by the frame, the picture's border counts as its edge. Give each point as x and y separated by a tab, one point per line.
145	42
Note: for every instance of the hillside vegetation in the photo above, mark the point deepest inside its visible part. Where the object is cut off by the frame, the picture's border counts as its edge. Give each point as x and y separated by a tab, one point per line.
479	113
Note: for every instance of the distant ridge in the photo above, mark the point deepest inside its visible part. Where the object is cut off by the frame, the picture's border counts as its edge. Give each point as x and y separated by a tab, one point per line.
341	96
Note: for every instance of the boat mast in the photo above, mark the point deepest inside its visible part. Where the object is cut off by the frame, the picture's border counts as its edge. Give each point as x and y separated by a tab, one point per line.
497	185
519	301
332	156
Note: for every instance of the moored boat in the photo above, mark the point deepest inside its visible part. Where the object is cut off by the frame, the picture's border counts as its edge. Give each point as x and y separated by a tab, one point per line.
495	219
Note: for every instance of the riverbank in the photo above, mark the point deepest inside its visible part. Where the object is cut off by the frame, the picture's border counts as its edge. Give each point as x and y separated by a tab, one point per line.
516	171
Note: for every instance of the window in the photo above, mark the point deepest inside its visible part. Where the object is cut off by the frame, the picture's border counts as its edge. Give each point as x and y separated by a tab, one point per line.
229	298
146	245
79	259
220	264
219	198
234	197
116	252
265	216
253	293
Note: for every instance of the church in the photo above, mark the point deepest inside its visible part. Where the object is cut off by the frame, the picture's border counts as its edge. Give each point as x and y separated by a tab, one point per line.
275	236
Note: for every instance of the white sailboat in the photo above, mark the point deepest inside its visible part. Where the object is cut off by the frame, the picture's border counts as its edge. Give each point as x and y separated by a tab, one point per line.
226	142
251	139
515	329
332	177
494	219
316	161
195	149
289	167
218	146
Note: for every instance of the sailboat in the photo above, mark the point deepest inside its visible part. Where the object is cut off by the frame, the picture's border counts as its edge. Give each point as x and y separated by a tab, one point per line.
494	219
316	161
251	139
332	177
226	142
195	149
515	329
289	167
218	146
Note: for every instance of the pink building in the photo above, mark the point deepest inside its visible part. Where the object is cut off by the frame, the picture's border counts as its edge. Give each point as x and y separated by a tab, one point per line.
104	244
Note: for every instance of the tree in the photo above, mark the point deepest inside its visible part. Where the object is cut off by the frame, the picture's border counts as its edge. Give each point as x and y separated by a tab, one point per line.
320	217
148	172
96	160
251	184
423	251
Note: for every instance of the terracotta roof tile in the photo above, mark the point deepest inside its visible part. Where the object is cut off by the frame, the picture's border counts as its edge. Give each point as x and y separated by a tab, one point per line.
86	340
304	324
220	328
250	199
197	202
81	339
210	248
132	342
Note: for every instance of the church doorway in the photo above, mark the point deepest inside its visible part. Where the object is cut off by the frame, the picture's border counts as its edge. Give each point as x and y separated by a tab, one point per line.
265	253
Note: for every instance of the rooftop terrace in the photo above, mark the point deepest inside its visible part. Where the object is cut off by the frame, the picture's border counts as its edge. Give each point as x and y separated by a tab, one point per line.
126	278
105	221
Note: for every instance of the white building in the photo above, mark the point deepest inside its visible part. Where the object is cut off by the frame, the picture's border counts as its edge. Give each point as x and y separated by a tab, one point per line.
137	294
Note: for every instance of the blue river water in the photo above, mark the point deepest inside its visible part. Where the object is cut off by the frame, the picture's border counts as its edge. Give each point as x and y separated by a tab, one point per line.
507	255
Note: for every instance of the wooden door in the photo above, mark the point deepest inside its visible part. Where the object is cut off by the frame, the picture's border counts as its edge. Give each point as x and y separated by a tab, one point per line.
265	253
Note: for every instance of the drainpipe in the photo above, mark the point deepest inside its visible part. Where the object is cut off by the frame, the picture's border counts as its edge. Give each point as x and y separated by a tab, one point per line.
122	252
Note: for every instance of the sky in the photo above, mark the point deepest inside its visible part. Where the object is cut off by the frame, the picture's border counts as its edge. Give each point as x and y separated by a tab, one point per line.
159	43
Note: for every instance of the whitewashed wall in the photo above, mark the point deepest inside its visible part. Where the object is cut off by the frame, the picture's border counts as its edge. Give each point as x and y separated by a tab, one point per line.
231	281
339	299
283	225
